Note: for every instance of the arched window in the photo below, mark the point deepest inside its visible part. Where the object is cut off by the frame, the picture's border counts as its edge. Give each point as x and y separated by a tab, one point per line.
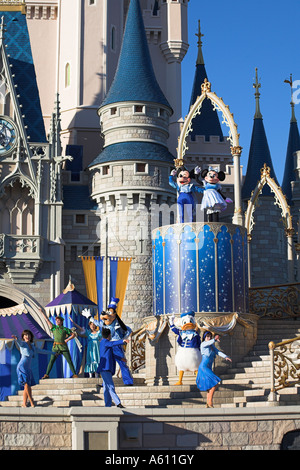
67	75
17	210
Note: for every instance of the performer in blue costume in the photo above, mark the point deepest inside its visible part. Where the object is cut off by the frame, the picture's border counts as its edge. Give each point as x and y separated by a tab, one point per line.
107	366
24	372
188	356
119	330
185	189
206	380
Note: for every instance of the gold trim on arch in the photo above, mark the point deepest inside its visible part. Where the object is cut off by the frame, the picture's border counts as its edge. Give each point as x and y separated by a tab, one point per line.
280	200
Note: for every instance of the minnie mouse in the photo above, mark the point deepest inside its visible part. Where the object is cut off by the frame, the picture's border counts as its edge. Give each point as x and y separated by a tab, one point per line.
213	200
185	189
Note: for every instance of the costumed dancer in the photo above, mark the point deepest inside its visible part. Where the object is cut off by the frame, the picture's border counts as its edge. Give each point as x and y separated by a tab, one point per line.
188	356
24	372
62	336
185	189
213	200
111	320
107	366
94	336
206	380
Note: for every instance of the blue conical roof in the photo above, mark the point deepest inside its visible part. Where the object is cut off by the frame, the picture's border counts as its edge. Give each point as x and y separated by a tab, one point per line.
18	46
207	123
289	170
135	79
259	155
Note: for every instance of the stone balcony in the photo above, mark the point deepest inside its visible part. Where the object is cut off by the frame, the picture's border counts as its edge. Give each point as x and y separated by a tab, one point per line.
22	256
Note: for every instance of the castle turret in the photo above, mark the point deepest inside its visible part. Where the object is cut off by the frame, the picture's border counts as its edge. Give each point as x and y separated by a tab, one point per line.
130	175
174	46
267	240
259	153
292	147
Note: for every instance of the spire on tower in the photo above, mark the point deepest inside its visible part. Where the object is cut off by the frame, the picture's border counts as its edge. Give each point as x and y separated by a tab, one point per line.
257	86
290	82
200	59
259	153
207	123
292	147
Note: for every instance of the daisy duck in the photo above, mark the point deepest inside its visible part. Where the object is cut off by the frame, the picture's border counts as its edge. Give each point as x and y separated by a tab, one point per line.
188	355
213	200
111	320
185	190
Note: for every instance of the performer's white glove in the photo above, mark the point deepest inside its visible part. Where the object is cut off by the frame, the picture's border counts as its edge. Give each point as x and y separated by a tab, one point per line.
172	318
86	313
197	170
173	172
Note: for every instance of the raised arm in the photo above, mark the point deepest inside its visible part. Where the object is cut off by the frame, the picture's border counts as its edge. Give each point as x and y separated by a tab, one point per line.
46	318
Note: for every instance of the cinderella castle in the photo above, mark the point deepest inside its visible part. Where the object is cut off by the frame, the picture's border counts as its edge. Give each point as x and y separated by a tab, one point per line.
91	128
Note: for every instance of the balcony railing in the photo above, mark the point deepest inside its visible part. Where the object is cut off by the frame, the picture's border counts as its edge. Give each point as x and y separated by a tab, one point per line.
20	246
278	301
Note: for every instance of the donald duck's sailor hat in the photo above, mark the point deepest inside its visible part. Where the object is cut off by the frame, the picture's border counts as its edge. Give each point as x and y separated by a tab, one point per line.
191	313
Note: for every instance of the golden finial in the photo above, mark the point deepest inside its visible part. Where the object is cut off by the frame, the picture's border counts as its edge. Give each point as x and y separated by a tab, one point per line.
257	86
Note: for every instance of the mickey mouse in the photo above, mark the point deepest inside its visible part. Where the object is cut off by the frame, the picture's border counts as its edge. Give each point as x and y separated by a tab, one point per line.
213	200
185	188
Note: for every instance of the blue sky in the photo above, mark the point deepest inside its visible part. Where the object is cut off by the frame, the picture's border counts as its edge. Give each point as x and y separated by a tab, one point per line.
240	35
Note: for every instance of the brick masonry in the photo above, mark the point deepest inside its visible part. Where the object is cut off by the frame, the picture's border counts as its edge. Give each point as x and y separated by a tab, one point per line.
256	428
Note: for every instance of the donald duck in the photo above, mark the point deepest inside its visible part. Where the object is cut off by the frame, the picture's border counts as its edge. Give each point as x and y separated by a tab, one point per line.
188	356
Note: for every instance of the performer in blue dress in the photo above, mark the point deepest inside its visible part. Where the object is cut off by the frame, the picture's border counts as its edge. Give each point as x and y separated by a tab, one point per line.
206	380
111	320
24	372
213	200
94	336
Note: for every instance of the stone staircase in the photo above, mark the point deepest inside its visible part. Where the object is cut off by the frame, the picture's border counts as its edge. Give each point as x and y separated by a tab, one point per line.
253	374
244	385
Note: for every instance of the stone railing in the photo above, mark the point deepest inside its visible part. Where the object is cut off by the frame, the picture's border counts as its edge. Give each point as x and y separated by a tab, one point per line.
20	246
22	255
285	365
278	301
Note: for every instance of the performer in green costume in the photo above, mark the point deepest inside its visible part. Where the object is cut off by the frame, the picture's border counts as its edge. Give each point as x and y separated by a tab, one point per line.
61	336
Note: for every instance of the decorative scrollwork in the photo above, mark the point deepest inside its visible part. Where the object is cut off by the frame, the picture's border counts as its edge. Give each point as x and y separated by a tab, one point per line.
286	364
281	301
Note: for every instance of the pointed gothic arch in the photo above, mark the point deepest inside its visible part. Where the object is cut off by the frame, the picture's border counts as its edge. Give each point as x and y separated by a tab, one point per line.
281	202
236	149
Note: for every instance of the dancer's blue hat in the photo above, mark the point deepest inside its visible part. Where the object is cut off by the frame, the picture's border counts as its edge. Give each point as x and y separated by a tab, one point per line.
113	303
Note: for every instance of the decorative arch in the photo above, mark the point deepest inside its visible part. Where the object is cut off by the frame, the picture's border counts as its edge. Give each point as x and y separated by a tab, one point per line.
281	202
236	149
21	297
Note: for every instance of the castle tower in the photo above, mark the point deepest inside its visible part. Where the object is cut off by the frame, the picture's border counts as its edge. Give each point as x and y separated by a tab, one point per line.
290	182
292	146
174	46
268	249
130	175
